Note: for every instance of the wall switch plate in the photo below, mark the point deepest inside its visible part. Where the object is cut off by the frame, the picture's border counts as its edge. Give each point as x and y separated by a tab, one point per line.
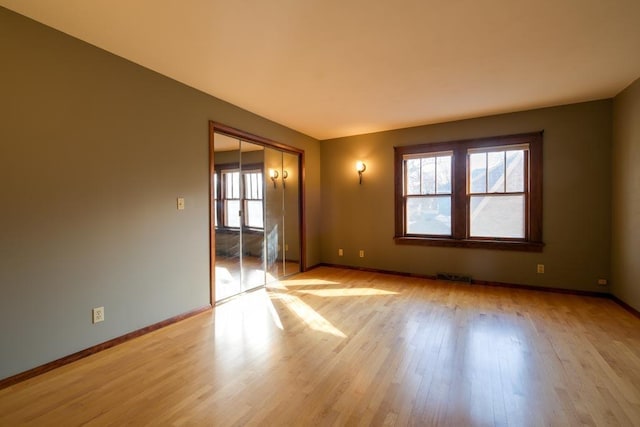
361	253
98	314
340	252
180	203
540	269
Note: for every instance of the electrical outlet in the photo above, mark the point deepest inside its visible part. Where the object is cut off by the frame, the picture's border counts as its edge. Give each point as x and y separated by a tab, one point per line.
540	268
361	253
98	314
340	252
602	282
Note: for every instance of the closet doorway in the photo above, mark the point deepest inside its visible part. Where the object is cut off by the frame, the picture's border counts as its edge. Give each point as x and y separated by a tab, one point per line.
256	211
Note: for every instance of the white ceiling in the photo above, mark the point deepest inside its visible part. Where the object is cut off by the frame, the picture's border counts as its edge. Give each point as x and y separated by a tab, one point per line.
331	68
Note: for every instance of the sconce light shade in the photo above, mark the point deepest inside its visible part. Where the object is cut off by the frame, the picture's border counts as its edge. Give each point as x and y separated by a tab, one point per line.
273	174
360	168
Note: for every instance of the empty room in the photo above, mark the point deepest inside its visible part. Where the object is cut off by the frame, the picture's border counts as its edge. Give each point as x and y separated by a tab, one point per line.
320	213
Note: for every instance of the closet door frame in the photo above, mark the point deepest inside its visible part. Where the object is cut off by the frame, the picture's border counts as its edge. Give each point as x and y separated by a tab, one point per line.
215	127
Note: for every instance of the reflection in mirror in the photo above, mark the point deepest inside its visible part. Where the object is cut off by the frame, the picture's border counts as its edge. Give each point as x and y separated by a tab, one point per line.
255	213
252	207
226	216
291	202
274	229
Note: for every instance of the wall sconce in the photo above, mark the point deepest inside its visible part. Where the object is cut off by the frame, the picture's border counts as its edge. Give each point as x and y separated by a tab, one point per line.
285	175
273	174
360	168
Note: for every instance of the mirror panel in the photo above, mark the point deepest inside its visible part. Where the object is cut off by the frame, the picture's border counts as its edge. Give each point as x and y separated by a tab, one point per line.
274	205
255	212
226	219
291	191
252	207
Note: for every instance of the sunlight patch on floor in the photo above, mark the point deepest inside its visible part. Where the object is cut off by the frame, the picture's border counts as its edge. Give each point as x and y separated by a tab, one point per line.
347	292
223	275
307	282
308	315
274	314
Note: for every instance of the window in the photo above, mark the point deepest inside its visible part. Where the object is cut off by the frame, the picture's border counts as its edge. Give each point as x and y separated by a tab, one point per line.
231	199
497	196
215	197
483	193
253	199
428	194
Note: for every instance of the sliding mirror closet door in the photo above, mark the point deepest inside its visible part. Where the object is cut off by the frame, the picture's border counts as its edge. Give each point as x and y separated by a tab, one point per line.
274	207
252	215
282	227
291	213
255	213
226	216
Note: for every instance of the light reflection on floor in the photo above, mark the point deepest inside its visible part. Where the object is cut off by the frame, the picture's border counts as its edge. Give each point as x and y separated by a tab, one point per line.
307	314
489	354
229	282
306	282
295	304
346	292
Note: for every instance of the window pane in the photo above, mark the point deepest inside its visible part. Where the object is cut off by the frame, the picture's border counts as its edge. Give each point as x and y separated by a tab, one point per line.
254	214
247	185
429	215
215	199
258	186
444	174
497	216
495	171
253	186
228	182
232	182
413	176
515	171
478	177
428	176
232	207
251	194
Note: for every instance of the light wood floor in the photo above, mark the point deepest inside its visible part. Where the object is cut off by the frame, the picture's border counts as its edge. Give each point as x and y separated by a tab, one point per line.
342	347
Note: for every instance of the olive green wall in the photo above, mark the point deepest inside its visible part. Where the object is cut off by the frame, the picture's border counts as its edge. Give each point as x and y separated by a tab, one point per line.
625	254
94	151
576	218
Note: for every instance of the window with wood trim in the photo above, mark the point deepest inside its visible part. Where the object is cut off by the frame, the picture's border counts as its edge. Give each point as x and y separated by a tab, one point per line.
253	206
231	198
428	193
250	196
483	193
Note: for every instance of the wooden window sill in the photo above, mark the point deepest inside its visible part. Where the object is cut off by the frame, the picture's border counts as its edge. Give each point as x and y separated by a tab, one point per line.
504	245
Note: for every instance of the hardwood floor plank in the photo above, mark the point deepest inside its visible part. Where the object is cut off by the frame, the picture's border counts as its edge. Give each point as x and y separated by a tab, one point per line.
344	347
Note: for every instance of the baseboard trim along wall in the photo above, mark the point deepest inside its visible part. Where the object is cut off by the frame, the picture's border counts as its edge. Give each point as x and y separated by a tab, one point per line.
626	306
607	295
38	370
